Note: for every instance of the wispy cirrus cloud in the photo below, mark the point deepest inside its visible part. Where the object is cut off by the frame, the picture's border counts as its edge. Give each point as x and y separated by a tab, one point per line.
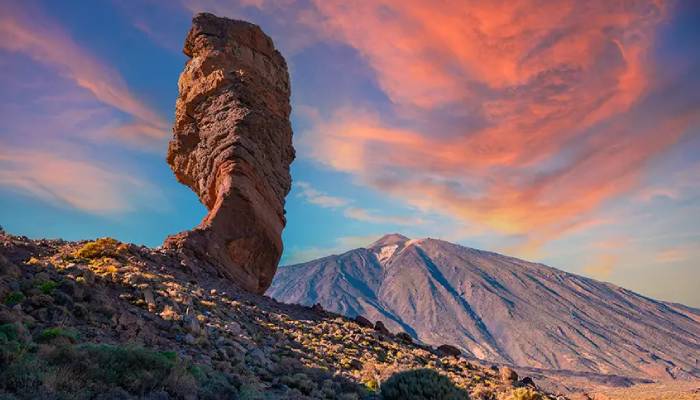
63	107
316	197
27	31
73	182
376	217
673	254
550	108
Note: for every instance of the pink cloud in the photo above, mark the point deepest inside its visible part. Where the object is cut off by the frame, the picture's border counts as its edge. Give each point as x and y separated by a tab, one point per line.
25	30
557	89
75	182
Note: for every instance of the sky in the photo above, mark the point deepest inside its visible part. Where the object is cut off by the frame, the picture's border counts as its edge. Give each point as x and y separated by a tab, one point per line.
562	132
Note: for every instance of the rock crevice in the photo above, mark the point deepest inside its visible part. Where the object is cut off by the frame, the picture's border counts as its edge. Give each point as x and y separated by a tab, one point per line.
232	145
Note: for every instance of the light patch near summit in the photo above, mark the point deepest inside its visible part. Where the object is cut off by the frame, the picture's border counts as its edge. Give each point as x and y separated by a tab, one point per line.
386	252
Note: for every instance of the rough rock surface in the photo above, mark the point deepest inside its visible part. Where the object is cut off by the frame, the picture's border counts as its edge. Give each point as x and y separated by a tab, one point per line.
232	145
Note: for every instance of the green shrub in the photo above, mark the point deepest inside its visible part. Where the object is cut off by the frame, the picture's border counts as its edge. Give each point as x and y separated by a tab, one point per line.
104	247
524	394
47	287
21	373
8	332
299	381
420	384
83	371
14	298
134	369
50	334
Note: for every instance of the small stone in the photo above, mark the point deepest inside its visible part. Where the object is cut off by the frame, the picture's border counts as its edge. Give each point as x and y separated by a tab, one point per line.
191	324
234	328
149	299
189	339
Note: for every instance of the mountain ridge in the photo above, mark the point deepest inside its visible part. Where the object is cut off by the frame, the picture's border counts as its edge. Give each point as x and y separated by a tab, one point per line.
500	308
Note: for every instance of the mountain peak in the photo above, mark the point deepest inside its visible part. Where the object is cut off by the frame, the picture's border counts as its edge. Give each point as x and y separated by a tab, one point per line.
388	240
478	301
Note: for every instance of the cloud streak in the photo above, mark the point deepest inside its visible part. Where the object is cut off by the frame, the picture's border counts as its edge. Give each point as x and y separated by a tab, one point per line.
550	108
25	30
73	182
316	197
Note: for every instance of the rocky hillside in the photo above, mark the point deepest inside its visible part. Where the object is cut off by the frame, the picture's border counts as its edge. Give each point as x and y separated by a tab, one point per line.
501	308
108	320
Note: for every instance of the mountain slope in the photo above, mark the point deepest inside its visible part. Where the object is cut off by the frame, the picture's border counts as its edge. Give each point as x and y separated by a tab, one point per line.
111	320
501	308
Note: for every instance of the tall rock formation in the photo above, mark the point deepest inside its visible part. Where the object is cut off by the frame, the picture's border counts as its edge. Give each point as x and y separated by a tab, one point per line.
232	145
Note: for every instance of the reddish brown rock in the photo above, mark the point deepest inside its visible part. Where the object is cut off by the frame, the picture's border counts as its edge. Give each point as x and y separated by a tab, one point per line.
232	145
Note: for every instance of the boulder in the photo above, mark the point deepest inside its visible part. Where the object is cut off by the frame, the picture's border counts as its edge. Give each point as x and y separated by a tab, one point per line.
363	322
527	381
404	337
379	327
232	145
446	350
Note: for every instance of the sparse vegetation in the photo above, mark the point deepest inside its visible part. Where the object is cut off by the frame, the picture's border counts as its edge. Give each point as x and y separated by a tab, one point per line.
421	384
524	394
60	307
47	287
103	247
14	298
50	334
85	370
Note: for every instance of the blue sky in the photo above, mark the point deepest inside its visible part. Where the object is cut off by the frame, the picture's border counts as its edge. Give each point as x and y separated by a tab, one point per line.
565	133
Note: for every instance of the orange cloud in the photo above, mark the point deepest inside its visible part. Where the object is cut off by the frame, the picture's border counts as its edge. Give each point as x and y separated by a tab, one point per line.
26	31
673	255
545	103
73	182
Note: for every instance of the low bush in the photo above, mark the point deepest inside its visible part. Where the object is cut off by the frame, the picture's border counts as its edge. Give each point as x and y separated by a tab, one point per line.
50	334
86	370
524	394
14	298
8	332
104	247
47	287
421	384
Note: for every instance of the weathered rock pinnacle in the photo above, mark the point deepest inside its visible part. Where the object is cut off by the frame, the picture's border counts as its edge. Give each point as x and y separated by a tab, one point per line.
232	145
